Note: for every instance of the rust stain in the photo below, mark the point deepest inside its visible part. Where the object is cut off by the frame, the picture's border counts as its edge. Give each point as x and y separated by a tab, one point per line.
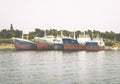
74	47
94	48
44	46
24	47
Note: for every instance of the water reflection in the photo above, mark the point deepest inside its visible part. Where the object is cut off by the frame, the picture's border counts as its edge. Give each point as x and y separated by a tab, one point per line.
57	67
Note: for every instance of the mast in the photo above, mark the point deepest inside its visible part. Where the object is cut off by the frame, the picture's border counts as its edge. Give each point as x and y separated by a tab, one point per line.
27	37
61	33
84	33
74	34
45	33
92	36
22	35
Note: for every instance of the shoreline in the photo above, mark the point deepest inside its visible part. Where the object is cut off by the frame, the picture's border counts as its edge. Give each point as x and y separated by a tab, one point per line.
7	46
111	48
11	46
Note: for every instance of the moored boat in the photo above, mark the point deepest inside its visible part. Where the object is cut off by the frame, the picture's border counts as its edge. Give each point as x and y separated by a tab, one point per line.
58	43
82	39
95	45
23	44
45	43
70	44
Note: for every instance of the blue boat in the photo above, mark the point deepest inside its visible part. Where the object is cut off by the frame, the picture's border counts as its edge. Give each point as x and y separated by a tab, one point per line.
71	44
95	45
82	39
23	44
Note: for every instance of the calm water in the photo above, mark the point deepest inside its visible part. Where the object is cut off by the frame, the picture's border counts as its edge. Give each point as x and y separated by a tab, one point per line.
58	67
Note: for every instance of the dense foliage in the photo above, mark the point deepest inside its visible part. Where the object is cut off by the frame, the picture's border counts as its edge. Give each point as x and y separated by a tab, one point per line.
105	35
7	34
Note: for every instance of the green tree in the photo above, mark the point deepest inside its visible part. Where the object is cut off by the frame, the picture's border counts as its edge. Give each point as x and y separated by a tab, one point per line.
77	33
66	33
118	37
18	33
4	34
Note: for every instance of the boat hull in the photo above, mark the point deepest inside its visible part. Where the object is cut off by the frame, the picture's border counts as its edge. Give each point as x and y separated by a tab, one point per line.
24	44
44	46
58	46
94	48
24	47
72	45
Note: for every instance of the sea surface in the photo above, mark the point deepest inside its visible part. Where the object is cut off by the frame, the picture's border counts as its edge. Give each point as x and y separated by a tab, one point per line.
58	67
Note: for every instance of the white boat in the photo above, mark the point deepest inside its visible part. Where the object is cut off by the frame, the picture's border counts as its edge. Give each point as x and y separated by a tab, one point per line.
58	43
45	43
23	44
82	39
96	44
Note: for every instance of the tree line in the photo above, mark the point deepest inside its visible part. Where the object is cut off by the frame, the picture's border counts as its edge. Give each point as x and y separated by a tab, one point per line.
105	35
9	33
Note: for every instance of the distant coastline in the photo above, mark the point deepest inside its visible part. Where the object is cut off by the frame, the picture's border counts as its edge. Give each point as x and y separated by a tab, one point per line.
111	38
7	46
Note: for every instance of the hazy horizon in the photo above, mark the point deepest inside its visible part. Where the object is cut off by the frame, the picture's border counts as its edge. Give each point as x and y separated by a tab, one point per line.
26	15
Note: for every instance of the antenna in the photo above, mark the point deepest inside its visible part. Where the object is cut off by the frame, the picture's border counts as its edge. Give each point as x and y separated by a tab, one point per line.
74	34
92	36
61	33
27	37
44	33
22	35
84	33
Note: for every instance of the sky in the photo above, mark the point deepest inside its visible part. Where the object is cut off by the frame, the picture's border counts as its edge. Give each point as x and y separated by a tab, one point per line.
26	15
